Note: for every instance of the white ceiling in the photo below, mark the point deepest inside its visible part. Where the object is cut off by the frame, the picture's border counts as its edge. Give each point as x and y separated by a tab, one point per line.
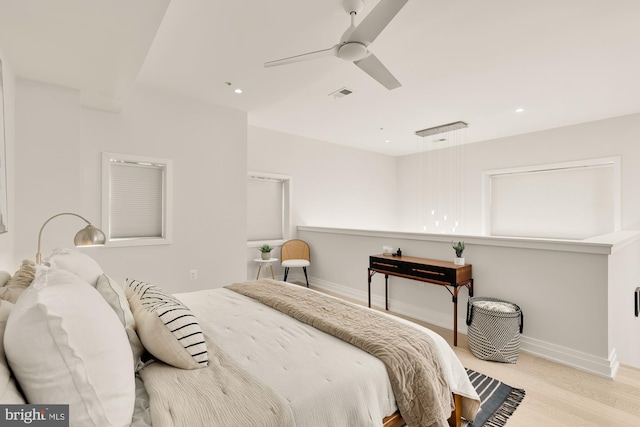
564	61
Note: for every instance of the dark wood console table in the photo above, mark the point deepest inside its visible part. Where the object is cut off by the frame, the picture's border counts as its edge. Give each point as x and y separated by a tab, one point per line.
442	273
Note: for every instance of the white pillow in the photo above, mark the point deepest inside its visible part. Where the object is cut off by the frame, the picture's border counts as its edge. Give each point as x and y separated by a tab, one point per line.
166	327
78	263
114	294
65	345
9	393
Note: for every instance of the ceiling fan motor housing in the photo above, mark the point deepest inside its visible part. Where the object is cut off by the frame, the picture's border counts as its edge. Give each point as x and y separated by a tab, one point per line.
353	51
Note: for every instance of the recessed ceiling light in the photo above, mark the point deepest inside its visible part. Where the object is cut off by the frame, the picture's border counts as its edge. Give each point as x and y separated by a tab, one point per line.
519	110
387	140
236	90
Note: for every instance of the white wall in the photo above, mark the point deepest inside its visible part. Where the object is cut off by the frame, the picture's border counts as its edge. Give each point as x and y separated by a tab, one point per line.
332	185
54	148
618	136
58	169
580	283
561	289
624	327
7	259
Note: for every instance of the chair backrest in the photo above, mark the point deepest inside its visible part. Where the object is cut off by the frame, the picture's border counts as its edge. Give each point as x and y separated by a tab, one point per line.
295	249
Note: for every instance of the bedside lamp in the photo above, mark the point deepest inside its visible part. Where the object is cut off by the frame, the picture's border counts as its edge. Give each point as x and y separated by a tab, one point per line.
88	236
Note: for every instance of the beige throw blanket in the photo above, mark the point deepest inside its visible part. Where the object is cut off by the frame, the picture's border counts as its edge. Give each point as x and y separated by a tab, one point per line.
221	394
412	362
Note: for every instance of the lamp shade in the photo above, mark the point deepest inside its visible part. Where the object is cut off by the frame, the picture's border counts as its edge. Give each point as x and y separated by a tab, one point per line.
89	236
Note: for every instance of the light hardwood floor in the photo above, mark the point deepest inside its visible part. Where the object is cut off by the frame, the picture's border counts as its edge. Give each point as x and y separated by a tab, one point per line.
557	395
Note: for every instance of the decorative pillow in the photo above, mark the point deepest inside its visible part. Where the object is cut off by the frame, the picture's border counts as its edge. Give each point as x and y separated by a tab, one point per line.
9	393
166	327
25	274
114	294
15	285
4	277
65	345
78	263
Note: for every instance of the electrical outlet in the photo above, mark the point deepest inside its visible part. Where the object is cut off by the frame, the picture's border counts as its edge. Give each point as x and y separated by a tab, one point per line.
193	274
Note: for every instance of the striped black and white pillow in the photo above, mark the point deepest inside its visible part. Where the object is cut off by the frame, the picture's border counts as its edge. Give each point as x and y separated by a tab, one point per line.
166	327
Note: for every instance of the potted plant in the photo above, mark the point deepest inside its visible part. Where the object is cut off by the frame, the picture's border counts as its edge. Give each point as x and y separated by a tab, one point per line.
459	248
266	251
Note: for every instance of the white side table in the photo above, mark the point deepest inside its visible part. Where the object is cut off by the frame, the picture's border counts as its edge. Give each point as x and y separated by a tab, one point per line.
268	262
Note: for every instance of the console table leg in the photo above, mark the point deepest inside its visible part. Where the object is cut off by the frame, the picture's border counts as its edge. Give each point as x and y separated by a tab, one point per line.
369	286
386	292
455	316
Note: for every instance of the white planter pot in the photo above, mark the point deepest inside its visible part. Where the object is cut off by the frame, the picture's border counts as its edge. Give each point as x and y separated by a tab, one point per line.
265	255
458	261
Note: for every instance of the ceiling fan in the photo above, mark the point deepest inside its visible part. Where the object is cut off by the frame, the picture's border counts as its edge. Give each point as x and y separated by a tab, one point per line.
354	44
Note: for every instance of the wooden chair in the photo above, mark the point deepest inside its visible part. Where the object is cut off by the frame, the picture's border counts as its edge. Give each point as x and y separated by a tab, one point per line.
295	253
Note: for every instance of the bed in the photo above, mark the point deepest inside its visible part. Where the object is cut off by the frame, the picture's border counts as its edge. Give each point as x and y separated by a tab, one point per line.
252	356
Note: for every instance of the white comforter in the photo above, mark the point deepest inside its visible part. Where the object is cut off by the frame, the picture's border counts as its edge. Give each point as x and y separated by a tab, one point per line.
324	380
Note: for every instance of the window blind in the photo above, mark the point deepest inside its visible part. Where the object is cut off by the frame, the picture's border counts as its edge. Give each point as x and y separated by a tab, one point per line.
265	204
136	195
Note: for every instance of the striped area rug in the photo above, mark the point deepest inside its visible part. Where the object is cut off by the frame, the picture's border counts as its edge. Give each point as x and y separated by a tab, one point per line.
499	400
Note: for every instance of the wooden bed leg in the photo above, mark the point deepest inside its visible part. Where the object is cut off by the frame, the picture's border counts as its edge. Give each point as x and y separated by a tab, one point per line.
394	420
455	420
456	415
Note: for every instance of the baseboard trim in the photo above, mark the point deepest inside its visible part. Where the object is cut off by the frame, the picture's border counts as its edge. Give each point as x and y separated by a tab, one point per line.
604	367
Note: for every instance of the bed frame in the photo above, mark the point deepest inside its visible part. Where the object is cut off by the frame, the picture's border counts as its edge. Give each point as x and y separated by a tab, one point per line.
395	420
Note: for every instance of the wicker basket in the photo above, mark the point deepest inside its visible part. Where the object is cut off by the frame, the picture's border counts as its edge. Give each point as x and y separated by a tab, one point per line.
494	334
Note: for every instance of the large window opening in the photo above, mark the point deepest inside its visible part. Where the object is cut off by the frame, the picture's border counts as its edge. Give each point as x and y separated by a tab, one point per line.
573	200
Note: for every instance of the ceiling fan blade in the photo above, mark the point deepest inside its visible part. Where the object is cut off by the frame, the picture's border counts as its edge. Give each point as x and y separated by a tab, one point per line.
372	66
376	21
332	51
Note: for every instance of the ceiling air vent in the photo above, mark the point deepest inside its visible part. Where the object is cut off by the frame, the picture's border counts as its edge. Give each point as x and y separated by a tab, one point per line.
341	93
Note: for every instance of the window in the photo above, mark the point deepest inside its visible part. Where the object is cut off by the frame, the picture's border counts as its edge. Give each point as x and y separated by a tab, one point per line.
573	200
268	202
136	200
